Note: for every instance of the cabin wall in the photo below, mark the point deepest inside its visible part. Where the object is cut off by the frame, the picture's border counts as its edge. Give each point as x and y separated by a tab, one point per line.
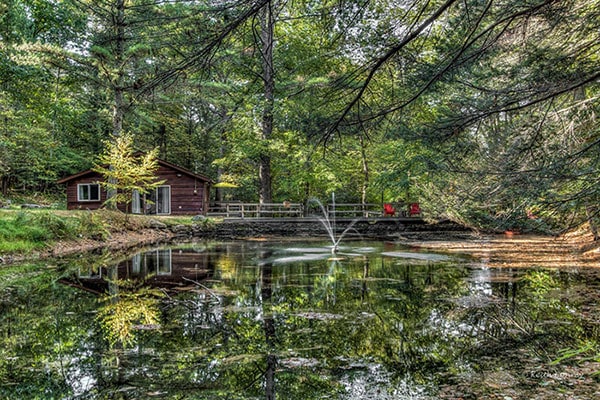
188	194
73	204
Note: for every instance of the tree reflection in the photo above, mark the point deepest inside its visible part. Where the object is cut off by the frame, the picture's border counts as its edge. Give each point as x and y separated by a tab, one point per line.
266	293
126	308
367	326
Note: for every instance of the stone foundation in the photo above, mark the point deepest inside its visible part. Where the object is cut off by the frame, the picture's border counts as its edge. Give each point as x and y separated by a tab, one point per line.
308	227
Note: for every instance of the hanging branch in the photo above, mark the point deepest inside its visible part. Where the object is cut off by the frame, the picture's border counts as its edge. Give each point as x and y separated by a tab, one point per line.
381	61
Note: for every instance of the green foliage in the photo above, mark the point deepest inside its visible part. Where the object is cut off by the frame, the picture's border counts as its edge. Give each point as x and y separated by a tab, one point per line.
486	114
25	231
587	351
58	227
22	232
93	225
125	172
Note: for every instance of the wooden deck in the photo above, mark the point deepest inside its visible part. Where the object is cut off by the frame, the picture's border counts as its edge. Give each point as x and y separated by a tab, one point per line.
293	211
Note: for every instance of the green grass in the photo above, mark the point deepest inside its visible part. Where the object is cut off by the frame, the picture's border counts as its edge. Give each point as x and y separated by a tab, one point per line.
22	232
25	231
18	246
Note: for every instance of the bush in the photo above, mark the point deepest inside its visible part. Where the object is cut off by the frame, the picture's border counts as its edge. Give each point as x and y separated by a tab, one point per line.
203	223
92	225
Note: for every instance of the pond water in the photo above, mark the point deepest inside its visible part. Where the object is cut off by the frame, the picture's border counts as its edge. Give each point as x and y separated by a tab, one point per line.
289	320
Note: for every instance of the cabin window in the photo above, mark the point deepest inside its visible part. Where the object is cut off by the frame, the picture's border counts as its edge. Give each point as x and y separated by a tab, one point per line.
88	192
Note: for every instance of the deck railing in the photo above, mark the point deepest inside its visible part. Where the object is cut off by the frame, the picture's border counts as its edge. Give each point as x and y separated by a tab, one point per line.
354	210
297	210
256	210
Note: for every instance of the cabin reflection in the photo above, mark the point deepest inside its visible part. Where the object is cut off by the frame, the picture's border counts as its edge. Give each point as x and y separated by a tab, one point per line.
167	268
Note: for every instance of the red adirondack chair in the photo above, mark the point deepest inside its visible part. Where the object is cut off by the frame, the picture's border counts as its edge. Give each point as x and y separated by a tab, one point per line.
414	209
388	209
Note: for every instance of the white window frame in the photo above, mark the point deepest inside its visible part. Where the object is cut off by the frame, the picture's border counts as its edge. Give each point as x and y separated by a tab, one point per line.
89	185
164	265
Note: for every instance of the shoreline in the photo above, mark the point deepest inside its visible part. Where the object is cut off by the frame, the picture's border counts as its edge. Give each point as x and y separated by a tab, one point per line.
518	251
573	249
119	241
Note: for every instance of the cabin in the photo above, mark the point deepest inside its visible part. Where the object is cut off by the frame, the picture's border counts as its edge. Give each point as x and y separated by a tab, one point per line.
182	193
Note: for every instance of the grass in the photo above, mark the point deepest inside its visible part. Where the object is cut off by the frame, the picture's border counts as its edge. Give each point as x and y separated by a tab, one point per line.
18	246
22	232
25	231
19	234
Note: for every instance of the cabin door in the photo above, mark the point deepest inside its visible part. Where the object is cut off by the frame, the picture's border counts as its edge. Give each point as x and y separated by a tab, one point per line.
136	203
163	200
157	201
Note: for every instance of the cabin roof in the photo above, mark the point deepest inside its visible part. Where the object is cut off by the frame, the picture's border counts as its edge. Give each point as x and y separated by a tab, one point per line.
160	162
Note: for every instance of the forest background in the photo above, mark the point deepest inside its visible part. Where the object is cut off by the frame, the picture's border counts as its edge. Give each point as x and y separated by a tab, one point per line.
483	111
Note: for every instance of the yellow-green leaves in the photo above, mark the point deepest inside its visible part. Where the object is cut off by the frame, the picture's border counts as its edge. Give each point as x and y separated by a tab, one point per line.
126	171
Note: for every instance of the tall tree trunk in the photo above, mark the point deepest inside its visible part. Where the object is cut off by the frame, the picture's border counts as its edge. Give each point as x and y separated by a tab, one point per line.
365	172
118	83
592	217
267	39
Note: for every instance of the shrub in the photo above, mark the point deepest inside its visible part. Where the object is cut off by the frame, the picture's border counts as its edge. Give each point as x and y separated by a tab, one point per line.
203	223
92	225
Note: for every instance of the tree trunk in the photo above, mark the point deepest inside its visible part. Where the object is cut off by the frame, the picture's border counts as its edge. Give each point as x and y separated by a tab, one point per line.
118	84
592	217
266	37
365	171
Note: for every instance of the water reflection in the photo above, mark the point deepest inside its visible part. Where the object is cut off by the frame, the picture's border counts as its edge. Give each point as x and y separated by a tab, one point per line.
161	267
246	320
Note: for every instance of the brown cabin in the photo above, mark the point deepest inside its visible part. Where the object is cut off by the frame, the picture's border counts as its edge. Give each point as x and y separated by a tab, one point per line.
182	193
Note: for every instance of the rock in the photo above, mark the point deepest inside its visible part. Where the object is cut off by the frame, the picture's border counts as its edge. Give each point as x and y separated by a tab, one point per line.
30	206
155	224
180	229
6	259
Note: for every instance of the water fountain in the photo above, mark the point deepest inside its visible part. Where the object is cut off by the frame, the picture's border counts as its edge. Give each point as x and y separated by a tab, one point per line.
329	224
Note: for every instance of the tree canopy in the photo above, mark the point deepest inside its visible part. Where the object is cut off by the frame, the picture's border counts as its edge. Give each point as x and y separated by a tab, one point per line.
484	111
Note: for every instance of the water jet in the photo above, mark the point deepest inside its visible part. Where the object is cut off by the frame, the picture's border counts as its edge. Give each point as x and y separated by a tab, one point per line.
329	224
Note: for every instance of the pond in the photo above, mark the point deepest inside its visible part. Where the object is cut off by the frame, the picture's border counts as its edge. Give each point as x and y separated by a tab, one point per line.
289	320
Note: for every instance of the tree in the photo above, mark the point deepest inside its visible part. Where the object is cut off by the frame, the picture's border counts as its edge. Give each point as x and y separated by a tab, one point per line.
267	41
37	104
126	172
489	89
